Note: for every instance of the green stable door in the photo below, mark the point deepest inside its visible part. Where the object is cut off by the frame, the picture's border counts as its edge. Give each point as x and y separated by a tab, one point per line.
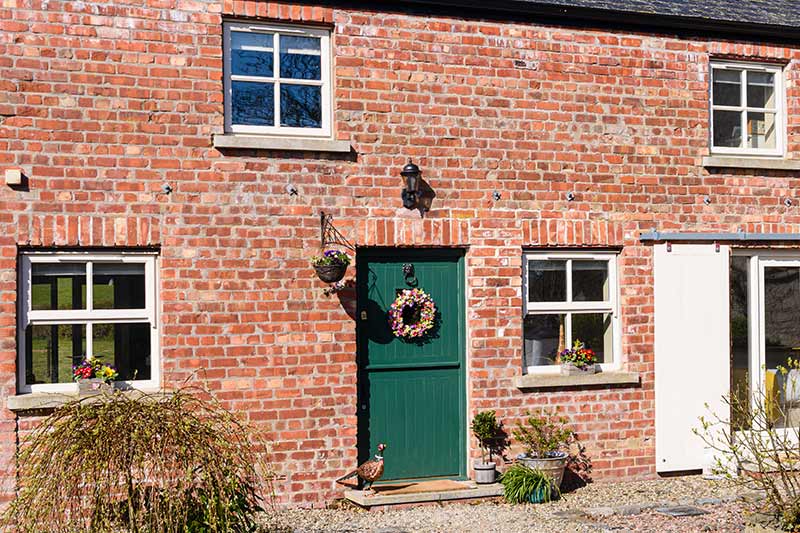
412	394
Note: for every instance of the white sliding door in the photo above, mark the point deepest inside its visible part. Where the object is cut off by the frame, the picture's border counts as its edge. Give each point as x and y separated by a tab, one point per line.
692	357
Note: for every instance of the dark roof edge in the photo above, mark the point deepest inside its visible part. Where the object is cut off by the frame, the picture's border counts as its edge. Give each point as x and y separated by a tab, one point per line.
574	15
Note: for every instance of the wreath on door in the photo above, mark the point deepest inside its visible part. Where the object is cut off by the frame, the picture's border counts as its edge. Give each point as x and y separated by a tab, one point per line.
412	314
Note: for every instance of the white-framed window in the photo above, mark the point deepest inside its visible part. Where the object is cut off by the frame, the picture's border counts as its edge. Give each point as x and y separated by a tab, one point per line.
73	305
747	109
277	79
569	296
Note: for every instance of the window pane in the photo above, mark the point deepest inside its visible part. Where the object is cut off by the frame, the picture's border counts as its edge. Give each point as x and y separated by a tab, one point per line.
740	374
252	54
727	87
544	338
590	281
118	286
51	351
58	286
125	346
547	281
252	104
594	329
300	58
301	106
727	128
761	89
760	130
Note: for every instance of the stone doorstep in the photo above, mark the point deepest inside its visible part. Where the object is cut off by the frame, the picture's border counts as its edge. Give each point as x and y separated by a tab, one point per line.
472	492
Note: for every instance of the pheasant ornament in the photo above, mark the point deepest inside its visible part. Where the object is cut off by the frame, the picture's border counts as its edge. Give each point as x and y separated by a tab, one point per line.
369	471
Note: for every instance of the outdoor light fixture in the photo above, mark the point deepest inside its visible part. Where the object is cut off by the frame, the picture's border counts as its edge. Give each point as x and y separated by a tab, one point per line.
410	194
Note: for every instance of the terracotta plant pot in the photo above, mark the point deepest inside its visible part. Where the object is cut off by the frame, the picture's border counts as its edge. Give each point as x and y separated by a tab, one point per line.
331	273
568	369
484	472
552	466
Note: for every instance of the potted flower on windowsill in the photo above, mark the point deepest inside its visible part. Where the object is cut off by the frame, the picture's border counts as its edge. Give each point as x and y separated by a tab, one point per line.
93	376
487	430
578	360
545	439
331	265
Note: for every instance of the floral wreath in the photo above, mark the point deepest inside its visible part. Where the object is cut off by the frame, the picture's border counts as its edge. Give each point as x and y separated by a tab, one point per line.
412	314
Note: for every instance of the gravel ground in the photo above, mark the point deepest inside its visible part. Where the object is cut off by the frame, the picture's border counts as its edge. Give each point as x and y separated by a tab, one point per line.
498	517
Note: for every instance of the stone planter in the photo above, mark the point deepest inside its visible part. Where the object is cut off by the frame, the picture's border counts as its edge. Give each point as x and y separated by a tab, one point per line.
91	386
552	466
568	369
485	472
331	273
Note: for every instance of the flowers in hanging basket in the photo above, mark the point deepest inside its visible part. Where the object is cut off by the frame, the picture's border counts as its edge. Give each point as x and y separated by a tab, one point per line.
331	257
412	314
579	355
94	368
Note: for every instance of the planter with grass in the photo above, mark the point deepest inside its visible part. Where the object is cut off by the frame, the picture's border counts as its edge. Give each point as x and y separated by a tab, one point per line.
486	429
523	484
545	438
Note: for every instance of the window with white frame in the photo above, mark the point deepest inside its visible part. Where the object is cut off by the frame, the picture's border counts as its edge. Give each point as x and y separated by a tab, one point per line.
76	305
747	109
569	296
277	79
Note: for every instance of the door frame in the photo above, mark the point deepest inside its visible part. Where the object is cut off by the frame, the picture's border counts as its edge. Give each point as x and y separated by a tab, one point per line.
363	257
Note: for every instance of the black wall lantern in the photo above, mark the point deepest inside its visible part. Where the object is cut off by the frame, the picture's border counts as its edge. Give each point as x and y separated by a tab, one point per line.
410	194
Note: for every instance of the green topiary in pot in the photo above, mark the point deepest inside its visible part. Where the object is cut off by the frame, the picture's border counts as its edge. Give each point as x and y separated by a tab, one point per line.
487	430
522	484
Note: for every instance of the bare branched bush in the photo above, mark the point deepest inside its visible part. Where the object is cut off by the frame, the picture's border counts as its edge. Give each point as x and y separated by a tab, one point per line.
759	450
178	462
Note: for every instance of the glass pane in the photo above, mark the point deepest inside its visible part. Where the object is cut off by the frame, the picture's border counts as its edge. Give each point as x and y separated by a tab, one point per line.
301	106
761	130
590	281
125	346
252	104
547	281
252	54
782	341
761	89
118	286
58	286
594	330
740	373
300	58
544	338
51	351
727	128
727	87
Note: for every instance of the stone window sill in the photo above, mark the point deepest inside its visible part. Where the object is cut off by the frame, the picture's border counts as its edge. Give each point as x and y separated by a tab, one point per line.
262	142
51	400
548	381
763	163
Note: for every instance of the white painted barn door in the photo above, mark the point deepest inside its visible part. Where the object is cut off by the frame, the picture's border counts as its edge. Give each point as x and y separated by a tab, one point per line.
692	360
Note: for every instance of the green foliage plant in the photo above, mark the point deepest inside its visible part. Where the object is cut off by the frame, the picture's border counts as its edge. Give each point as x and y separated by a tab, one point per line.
139	463
486	429
751	448
523	484
544	434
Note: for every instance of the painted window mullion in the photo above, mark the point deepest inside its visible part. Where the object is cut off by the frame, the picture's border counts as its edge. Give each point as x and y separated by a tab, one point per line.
276	71
89	341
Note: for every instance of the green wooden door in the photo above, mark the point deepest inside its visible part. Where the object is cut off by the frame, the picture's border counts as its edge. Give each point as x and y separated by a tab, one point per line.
411	395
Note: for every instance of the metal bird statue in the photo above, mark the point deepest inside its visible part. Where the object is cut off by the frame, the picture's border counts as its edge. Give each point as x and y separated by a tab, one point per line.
370	471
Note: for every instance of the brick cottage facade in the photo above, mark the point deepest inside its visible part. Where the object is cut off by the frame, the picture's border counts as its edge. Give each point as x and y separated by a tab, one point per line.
548	144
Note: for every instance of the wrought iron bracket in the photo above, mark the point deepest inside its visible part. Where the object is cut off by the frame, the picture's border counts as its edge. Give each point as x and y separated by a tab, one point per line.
330	235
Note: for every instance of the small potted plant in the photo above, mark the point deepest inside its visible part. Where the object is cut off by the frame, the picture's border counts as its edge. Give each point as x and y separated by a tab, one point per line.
578	360
545	439
522	484
93	375
486	429
331	265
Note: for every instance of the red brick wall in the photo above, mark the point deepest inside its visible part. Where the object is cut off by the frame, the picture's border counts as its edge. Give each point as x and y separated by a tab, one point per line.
102	103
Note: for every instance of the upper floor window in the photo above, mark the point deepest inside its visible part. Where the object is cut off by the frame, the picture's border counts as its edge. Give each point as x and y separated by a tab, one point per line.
747	109
277	79
76	305
569	296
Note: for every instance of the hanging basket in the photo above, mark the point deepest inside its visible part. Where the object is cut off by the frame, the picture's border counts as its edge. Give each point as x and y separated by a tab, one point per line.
331	273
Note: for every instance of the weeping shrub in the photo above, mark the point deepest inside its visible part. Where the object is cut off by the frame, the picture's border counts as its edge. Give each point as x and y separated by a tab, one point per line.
144	464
